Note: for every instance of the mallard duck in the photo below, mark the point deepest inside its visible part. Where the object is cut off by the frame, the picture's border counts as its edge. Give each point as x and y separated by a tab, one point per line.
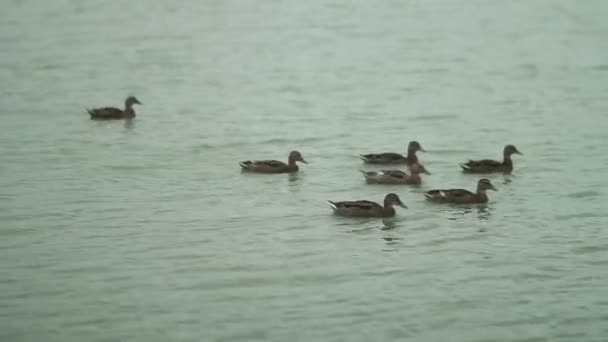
110	113
396	176
367	208
462	196
274	166
489	166
395	158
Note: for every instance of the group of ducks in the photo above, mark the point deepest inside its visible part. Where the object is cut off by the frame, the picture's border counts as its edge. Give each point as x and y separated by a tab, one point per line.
364	208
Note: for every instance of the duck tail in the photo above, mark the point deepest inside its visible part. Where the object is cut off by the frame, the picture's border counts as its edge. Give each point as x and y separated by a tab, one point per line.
364	158
435	195
244	164
365	173
90	111
333	205
465	167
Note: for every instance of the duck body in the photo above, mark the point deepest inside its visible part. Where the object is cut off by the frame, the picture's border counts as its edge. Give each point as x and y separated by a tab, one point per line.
457	196
273	166
395	176
461	196
388	158
268	166
364	208
388	177
394	158
487	166
361	208
492	166
112	113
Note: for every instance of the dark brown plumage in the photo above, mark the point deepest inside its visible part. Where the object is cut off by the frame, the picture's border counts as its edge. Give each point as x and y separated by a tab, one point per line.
394	158
462	196
489	166
273	166
111	113
365	208
396	176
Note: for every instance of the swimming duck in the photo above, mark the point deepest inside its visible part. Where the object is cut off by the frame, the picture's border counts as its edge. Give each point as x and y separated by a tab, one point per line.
110	113
489	166
367	208
395	158
274	166
396	176
462	196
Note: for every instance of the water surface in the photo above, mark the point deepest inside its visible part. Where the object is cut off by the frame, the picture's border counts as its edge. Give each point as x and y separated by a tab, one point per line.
147	231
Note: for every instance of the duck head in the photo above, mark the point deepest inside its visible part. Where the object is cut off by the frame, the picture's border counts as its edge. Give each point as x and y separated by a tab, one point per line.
414	146
393	199
511	149
295	156
131	100
485	184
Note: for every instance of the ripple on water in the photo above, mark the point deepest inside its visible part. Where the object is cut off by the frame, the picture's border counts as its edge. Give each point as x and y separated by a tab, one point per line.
584	194
147	230
590	249
434	117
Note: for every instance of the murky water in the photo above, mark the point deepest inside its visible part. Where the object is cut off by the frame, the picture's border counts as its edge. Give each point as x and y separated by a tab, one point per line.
148	231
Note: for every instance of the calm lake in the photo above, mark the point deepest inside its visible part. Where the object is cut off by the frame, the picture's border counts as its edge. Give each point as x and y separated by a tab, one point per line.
148	231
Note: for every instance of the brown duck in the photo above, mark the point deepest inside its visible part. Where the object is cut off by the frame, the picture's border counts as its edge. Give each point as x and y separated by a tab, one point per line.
396	176
111	113
395	158
462	196
489	166
367	208
273	166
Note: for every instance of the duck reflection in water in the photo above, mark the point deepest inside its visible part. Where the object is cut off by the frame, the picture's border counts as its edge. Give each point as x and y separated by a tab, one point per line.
294	182
129	124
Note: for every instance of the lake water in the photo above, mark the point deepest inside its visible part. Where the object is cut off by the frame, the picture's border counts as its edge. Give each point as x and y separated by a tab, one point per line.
147	231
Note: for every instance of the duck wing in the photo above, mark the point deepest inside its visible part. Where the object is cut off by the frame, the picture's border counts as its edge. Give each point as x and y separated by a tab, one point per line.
388	157
447	195
385	173
106	113
484	165
359	205
264	165
458	193
396	174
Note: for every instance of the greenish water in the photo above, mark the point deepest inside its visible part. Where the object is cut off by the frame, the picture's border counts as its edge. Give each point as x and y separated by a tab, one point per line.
149	232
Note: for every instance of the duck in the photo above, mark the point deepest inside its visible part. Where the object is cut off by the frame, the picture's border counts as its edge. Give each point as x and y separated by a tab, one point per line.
274	166
365	208
462	196
396	176
395	158
111	113
490	166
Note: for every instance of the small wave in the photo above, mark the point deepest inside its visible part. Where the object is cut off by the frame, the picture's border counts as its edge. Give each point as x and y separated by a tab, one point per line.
578	216
203	147
600	67
434	117
590	249
429	71
584	194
